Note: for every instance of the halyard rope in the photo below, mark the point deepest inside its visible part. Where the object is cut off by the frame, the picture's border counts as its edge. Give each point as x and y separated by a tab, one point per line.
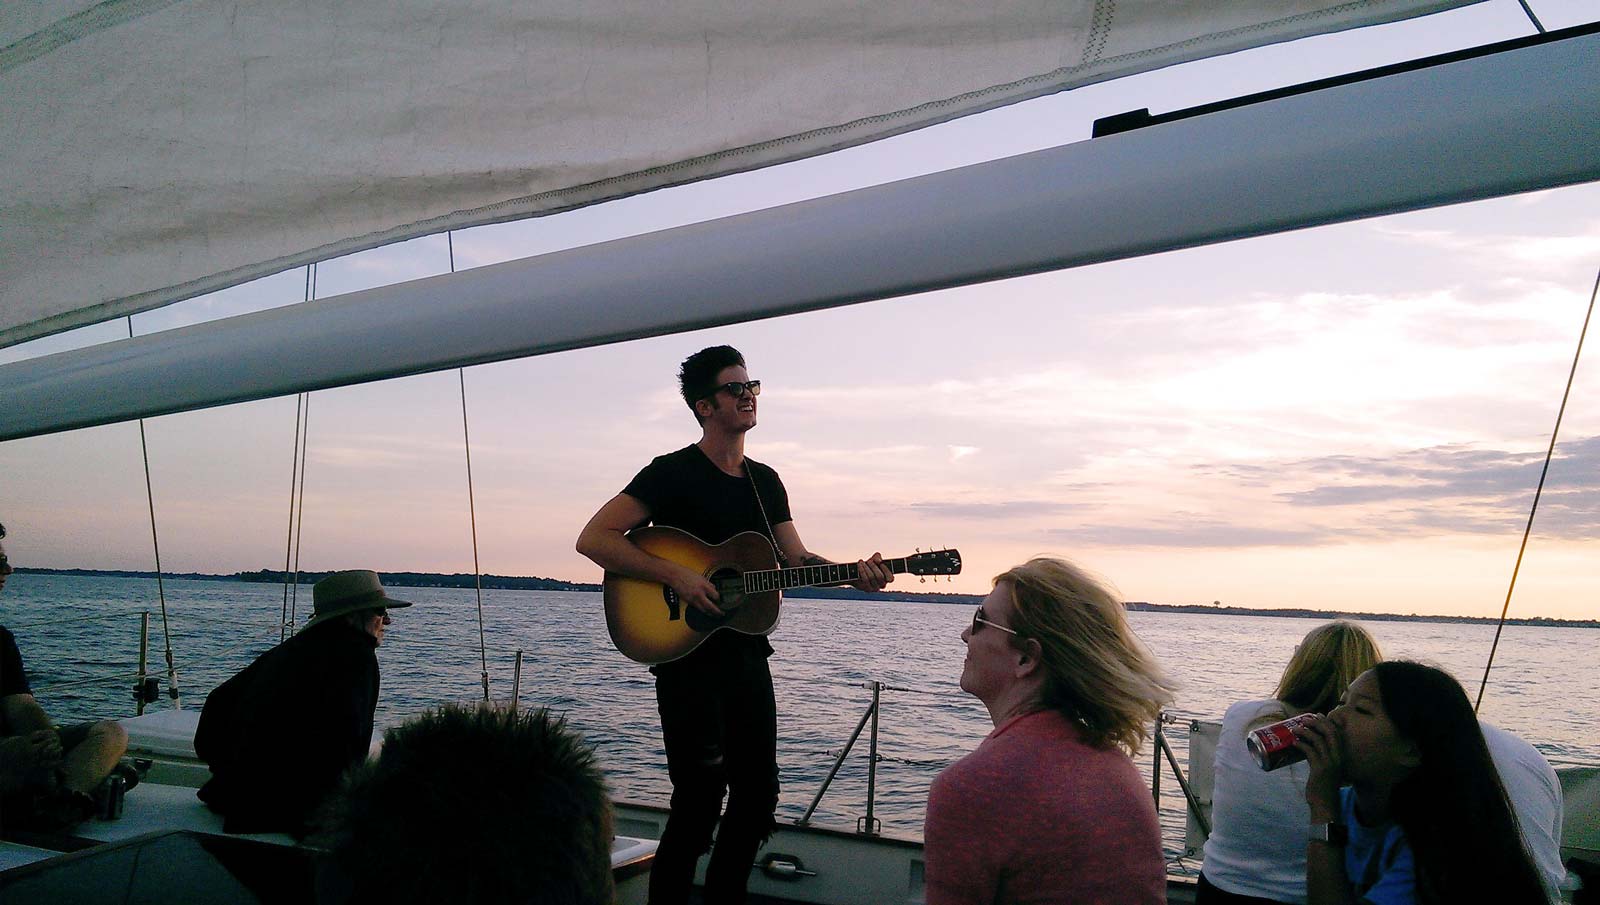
472	509
155	543
1549	453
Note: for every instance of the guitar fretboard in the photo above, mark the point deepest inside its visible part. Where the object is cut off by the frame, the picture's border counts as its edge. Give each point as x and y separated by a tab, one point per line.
809	576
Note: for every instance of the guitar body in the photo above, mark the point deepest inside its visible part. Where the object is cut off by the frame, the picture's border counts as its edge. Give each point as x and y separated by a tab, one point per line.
650	624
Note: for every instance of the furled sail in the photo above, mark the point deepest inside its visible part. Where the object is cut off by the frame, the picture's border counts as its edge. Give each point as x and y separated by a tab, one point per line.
155	150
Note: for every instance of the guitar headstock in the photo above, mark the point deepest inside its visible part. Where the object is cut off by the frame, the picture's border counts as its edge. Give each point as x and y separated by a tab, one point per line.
934	562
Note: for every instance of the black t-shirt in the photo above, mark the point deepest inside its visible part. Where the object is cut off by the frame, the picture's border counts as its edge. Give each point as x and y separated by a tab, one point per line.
684	490
13	679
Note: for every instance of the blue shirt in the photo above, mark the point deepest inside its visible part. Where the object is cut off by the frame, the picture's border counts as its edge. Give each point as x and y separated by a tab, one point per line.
1377	859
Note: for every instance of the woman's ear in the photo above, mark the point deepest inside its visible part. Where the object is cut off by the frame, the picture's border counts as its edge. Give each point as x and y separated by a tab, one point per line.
1028	656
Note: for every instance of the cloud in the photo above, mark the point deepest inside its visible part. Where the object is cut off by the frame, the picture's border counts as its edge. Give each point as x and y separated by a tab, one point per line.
957	453
1458	489
1446	472
387	451
1197	535
1008	509
1504	248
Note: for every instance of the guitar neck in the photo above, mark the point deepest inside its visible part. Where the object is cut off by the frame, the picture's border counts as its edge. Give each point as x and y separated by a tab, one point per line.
811	576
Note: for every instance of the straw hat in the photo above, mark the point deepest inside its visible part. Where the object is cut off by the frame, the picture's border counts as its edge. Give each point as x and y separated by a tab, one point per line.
349	592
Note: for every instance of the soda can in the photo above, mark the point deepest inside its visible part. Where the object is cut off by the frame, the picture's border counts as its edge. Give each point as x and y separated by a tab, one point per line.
116	788
1273	746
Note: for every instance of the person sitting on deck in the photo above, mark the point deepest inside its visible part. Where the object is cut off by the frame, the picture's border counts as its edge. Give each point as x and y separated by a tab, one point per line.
1050	808
48	775
278	735
471	805
1254	855
1405	802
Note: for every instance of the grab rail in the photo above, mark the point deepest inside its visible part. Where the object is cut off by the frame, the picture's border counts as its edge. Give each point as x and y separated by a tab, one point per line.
1163	747
867	825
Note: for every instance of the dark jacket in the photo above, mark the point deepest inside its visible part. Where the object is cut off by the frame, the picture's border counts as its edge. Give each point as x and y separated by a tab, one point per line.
278	735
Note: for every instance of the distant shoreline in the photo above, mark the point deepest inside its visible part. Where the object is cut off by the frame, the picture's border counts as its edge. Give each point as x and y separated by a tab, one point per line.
532	583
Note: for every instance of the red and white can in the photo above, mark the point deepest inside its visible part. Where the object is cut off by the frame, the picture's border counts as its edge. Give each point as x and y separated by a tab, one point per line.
1273	746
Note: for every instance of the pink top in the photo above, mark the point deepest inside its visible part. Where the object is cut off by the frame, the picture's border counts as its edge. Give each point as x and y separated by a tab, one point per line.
1038	816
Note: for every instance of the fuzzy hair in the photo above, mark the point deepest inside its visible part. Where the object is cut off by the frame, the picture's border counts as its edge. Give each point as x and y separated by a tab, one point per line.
473	805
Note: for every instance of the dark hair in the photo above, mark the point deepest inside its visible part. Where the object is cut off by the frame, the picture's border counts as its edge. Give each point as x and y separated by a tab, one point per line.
699	371
1453	808
478	806
2	531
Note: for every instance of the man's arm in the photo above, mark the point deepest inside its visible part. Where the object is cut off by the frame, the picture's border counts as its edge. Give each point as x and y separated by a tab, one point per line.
874	574
604	540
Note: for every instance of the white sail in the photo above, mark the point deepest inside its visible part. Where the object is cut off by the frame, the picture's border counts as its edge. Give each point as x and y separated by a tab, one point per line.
1456	131
155	150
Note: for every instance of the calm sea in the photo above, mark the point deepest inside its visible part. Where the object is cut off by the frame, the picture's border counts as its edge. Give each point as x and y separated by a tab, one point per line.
84	631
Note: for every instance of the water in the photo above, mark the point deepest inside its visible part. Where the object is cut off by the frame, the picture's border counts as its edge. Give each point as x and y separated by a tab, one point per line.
71	629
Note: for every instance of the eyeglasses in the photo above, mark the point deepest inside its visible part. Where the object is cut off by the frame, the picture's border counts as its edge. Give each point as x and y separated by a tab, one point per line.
978	622
736	388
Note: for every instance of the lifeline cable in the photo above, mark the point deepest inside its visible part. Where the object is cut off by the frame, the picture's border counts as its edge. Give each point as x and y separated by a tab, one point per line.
472	509
155	543
1549	453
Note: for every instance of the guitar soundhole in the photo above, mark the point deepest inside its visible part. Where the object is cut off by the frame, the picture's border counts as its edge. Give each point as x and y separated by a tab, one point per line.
730	595
673	605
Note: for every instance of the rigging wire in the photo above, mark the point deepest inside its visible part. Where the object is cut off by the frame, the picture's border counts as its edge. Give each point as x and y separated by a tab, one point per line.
1549	453
297	501
288	539
472	509
155	543
303	429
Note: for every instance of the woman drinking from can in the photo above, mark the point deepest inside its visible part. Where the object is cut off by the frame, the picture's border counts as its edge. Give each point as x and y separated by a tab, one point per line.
1406	806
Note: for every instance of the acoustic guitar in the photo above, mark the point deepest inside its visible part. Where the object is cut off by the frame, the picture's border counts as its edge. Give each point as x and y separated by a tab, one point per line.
651	625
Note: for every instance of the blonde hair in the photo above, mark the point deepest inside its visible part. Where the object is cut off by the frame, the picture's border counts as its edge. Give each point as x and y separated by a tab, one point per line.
1096	670
1323	666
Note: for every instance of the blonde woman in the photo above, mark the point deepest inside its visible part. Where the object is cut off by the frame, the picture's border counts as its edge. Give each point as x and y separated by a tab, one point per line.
1255	854
1050	807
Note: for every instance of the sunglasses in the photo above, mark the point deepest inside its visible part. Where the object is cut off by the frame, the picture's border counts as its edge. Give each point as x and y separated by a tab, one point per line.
978	622
736	388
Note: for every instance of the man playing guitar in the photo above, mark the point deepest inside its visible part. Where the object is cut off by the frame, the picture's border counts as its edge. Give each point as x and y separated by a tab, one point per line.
718	717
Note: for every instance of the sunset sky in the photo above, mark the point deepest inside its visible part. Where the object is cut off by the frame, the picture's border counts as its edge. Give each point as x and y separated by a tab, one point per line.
1349	417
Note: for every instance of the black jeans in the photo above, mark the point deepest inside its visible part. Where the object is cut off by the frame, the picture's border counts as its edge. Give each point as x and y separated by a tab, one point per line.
720	728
